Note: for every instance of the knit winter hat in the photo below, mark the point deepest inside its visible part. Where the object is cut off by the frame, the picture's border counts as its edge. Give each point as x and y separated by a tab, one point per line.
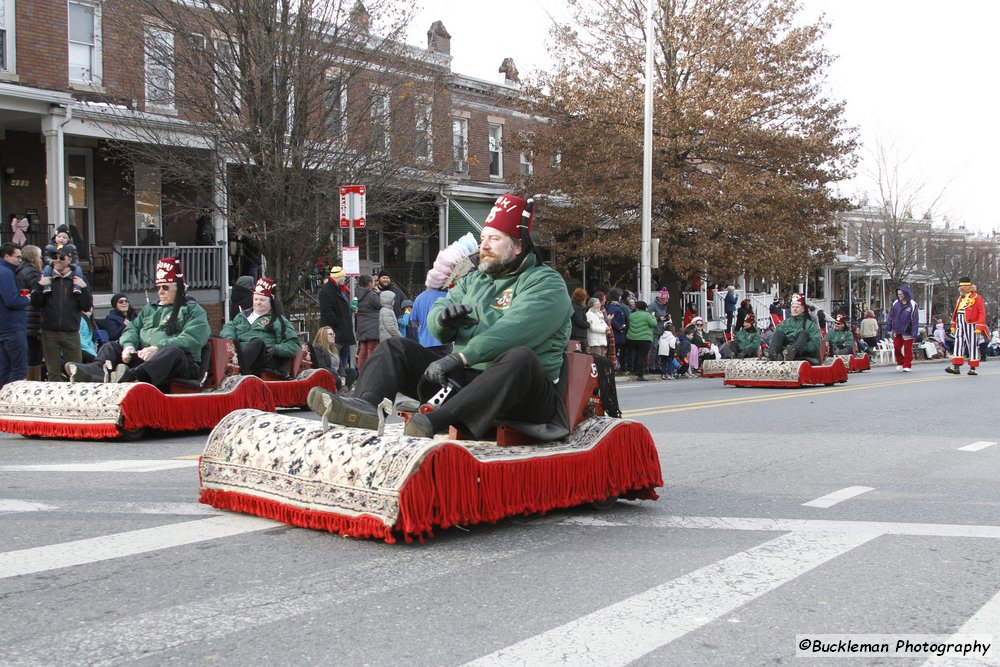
337	272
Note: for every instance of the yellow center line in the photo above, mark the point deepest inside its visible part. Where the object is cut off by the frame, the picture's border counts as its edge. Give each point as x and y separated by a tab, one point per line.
792	393
188	456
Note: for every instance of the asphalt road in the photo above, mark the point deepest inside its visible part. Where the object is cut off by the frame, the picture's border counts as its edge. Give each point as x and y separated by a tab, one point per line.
870	509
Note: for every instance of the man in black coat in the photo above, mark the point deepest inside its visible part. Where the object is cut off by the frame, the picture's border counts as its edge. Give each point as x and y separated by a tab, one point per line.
335	312
61	309
386	283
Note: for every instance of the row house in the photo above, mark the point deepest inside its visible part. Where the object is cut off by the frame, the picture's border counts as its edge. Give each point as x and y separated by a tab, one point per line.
63	66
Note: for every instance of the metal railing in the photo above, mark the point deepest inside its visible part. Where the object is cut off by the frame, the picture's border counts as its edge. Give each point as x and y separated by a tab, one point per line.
134	267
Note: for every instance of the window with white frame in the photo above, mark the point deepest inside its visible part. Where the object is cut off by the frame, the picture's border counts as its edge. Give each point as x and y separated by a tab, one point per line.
527	165
228	98
496	150
336	105
84	18
460	144
556	161
7	39
159	45
425	131
148	212
380	120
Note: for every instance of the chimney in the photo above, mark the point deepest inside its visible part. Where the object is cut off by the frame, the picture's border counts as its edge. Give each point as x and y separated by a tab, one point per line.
360	18
438	39
509	71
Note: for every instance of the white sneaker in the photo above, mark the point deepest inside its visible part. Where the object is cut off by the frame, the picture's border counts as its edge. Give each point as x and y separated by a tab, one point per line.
907	370
899	368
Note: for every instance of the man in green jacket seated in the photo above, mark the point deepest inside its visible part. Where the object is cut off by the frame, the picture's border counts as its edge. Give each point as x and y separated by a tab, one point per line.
509	322
841	338
746	344
265	339
797	337
162	343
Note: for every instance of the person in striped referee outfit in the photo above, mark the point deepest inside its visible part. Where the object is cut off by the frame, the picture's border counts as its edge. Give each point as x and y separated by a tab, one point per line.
967	323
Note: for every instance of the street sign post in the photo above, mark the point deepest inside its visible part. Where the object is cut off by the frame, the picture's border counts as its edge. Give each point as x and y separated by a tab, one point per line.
352	206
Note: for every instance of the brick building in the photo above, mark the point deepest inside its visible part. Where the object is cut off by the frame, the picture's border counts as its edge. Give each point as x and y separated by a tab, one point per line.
62	70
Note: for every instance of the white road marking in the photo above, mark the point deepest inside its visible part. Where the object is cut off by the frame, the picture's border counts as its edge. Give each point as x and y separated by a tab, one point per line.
119	545
147	635
627	630
14	505
985	621
789	525
831	499
976	446
137	465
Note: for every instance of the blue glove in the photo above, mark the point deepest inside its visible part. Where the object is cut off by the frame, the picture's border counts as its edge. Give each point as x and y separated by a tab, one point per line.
439	370
456	315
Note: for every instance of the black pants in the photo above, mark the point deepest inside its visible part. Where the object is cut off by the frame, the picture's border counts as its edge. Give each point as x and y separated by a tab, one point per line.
779	343
254	357
639	354
167	364
514	388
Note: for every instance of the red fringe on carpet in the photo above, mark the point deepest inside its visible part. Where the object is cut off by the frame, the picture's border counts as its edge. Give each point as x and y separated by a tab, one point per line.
49	429
451	487
859	364
346	526
145	406
835	372
293	393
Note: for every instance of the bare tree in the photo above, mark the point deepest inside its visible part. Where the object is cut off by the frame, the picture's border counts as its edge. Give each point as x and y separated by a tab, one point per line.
274	104
888	232
955	254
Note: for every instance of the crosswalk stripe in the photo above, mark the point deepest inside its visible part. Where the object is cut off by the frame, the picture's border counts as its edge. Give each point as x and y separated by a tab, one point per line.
137	465
119	545
14	505
787	525
831	499
976	446
627	630
985	621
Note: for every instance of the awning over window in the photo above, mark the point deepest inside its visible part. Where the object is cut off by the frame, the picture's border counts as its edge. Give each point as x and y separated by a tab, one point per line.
467	215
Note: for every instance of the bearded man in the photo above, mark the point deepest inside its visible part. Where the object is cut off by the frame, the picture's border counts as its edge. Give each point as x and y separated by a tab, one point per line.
509	322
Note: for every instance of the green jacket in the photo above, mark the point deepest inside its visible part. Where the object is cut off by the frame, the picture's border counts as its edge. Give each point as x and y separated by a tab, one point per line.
791	326
529	307
240	329
640	326
150	328
839	339
747	339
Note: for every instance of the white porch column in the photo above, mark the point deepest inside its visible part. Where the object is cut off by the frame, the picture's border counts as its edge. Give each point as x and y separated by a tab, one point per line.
55	165
221	203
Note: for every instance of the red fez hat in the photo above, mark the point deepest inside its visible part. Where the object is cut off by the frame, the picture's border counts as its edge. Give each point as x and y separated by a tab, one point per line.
799	299
749	318
841	319
264	287
168	270
511	215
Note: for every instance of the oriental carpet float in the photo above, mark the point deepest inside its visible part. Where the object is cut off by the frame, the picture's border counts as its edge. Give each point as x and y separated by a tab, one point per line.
357	483
94	411
753	373
856	363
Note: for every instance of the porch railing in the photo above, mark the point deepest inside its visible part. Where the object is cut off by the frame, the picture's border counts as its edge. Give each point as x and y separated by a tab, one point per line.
134	267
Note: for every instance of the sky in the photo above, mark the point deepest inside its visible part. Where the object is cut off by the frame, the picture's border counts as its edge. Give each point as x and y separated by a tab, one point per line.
917	77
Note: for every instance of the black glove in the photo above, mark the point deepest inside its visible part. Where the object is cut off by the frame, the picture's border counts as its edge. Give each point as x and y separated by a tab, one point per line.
439	370
456	315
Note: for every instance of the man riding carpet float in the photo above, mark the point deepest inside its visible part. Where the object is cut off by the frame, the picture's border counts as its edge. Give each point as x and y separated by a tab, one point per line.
968	322
509	322
797	337
266	341
162	343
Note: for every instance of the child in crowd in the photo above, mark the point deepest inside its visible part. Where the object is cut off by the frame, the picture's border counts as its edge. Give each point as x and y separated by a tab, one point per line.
665	353
683	351
61	240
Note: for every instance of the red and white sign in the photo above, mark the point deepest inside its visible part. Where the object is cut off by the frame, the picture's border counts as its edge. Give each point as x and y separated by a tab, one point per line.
352	260
352	205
